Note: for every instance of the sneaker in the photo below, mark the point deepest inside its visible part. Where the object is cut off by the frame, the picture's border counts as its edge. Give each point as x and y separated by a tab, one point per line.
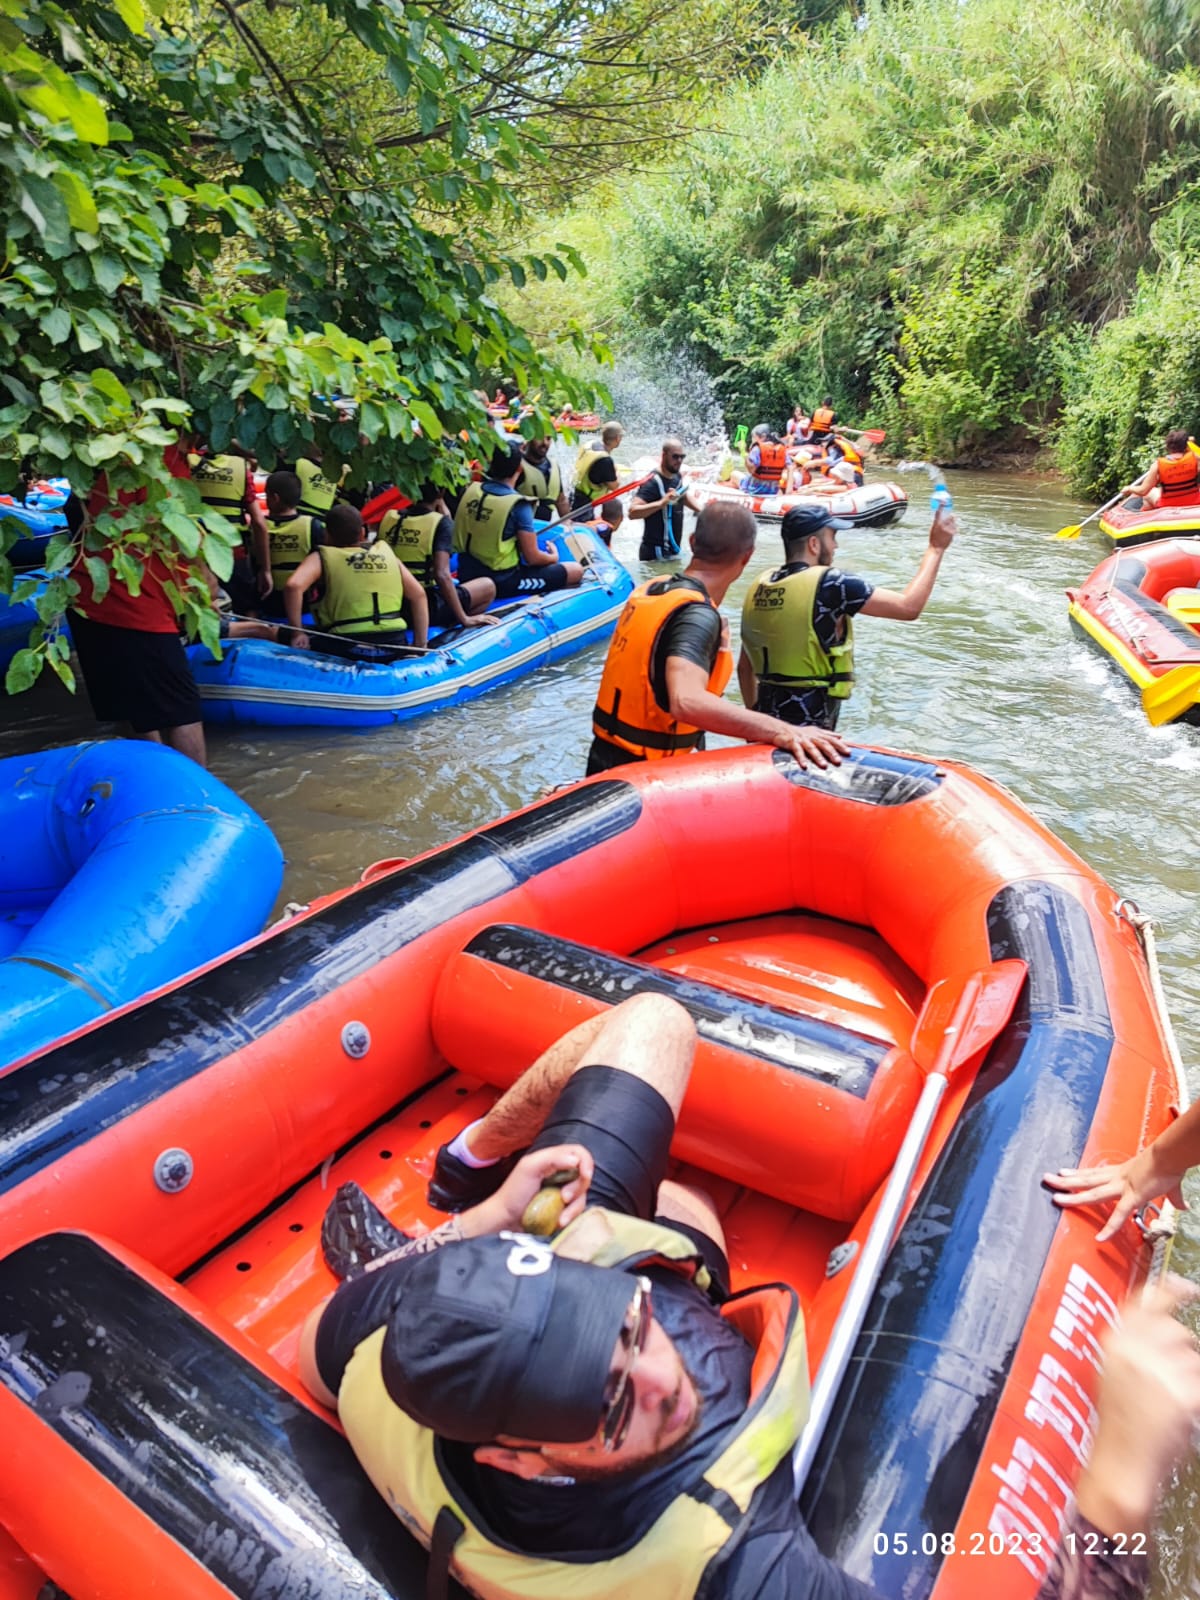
355	1232
457	1187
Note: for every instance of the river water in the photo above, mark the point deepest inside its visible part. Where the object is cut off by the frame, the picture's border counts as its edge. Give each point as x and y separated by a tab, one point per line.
990	675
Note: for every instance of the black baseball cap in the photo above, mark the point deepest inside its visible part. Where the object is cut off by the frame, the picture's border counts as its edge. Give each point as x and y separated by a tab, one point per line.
801	522
499	1336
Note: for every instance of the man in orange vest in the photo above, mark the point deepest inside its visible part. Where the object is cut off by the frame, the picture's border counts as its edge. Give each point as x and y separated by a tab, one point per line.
669	662
823	420
1173	480
766	463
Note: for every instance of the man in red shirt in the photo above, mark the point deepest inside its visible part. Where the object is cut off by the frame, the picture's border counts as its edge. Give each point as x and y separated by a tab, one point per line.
134	665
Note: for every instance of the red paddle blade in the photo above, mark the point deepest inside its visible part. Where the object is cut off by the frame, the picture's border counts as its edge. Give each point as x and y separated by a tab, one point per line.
389	500
874	435
963	1015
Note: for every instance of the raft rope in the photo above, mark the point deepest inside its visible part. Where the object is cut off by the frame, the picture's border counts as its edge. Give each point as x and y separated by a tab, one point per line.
1158	1223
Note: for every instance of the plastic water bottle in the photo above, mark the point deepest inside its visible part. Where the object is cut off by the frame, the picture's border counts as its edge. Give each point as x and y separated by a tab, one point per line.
940	499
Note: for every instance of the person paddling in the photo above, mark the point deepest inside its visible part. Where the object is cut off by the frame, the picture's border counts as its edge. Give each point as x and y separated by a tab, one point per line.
1172	480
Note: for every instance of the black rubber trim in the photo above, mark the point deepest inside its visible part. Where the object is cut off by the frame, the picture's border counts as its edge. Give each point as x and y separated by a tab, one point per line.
72	1092
837	1056
942	1328
266	1495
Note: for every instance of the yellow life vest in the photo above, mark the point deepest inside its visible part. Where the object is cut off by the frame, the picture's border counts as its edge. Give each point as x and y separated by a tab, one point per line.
221	481
317	492
363	590
626	712
481	527
410	535
584	482
670	1561
780	640
540	483
289	539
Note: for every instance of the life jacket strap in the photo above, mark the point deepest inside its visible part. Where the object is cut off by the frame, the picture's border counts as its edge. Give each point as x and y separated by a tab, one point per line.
448	1529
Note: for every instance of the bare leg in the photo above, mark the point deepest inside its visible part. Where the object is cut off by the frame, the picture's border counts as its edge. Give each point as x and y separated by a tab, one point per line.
574	574
478	595
649	1036
680	1202
188	740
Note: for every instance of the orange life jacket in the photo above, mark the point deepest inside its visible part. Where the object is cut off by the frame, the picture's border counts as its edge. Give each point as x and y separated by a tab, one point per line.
822	419
1180	480
772	462
849	453
626	713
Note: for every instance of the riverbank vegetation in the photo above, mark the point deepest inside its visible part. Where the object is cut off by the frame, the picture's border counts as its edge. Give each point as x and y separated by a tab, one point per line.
973	224
222	213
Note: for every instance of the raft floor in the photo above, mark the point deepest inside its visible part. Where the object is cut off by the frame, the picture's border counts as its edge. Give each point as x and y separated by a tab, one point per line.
268	1278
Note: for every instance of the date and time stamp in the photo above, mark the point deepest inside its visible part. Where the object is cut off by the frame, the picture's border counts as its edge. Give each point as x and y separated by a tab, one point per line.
1029	1546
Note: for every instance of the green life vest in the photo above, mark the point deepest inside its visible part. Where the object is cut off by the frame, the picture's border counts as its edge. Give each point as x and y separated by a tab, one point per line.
542	484
221	481
481	527
585	484
672	1559
317	493
362	590
290	539
411	537
781	641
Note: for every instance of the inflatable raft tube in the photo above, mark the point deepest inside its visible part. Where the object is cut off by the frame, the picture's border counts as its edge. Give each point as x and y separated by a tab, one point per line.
1140	609
274	685
874	505
1140	527
122	865
215	1119
35	527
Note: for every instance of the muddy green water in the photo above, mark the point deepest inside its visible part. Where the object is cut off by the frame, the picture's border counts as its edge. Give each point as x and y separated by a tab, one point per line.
990	675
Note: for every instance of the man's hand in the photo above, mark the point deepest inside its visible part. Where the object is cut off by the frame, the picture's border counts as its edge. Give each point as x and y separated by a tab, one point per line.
481	621
300	640
941	534
507	1206
669	498
818	745
1132	1184
1149	1403
265	584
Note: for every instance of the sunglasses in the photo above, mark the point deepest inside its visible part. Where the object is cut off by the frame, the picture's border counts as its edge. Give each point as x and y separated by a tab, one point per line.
676	455
619	1395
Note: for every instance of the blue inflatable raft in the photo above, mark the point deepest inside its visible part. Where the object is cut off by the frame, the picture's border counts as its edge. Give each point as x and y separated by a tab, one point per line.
274	685
39	516
122	866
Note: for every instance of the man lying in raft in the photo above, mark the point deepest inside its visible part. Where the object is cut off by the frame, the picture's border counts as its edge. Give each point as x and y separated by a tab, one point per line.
365	595
669	662
1172	480
797	659
582	1414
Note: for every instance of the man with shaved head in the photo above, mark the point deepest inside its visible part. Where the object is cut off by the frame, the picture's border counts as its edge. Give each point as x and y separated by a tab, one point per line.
659	504
669	662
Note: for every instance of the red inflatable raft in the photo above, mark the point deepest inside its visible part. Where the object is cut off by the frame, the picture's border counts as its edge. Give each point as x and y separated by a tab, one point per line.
1141	609
1126	527
840	938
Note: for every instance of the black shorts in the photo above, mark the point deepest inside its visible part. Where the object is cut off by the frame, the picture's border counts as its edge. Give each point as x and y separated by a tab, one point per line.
440	614
140	678
522	583
627	1127
359	646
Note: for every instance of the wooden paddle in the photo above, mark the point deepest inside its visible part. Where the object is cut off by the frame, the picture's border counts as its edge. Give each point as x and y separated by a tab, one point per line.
1074	529
1172	696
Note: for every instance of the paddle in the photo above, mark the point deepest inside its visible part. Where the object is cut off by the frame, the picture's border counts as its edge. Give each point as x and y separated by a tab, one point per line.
959	1020
1173	695
871	435
1074	529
